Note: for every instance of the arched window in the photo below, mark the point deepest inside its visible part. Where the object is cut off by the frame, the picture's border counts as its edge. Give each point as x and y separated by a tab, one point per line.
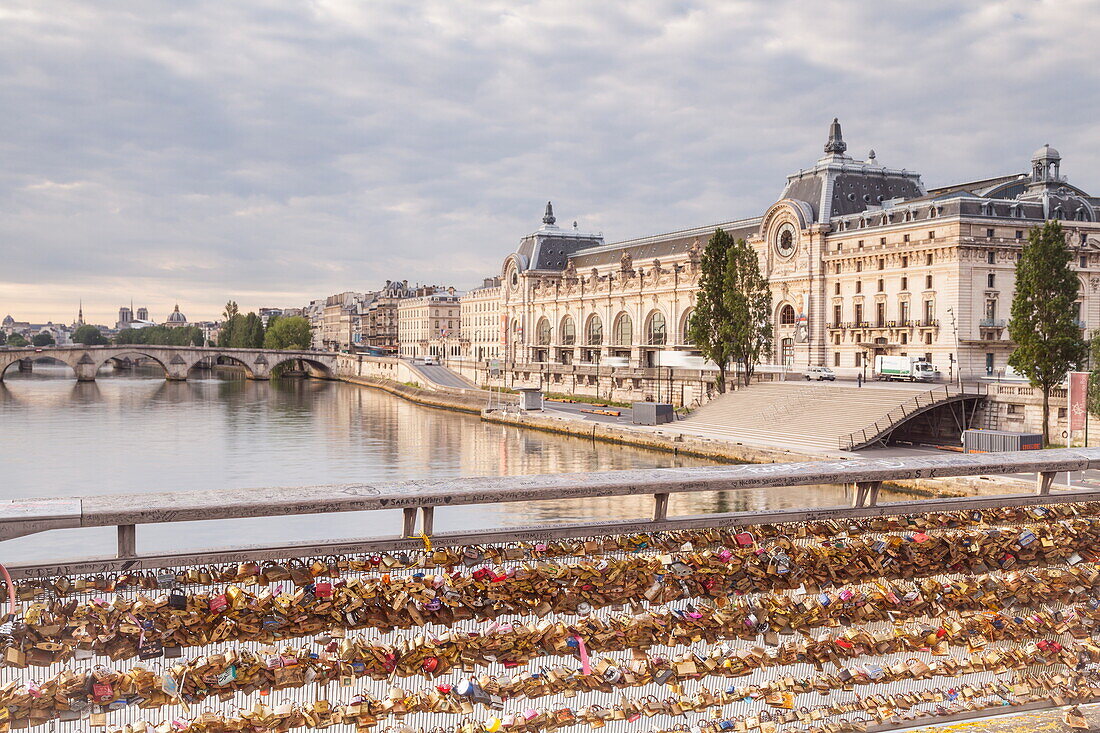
685	320
656	332
594	331
542	332
623	331
568	331
786	315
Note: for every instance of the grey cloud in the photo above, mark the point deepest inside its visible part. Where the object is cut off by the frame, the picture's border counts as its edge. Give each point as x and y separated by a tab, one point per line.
289	148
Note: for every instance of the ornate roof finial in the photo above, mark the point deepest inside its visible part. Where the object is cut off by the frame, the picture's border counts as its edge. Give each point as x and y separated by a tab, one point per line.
836	142
871	156
548	218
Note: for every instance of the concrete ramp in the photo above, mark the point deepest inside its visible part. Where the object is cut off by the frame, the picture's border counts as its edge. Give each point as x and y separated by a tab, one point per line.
820	416
442	377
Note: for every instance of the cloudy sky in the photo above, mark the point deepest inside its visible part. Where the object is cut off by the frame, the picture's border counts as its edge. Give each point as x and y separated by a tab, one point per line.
274	151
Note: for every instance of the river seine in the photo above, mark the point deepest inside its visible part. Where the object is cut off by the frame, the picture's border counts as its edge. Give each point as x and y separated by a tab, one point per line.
133	432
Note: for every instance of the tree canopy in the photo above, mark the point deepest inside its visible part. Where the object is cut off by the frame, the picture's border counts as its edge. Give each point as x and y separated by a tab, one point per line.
162	336
89	336
1044	323
43	338
242	332
287	333
731	319
748	304
16	339
709	325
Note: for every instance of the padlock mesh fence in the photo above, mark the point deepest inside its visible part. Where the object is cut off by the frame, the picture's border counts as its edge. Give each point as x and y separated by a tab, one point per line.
829	626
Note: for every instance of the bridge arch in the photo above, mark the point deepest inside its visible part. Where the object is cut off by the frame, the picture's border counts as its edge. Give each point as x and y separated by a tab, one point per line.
11	363
249	369
323	369
171	369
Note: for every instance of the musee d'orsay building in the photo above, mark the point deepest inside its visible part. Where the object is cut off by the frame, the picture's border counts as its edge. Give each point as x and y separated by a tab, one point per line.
862	260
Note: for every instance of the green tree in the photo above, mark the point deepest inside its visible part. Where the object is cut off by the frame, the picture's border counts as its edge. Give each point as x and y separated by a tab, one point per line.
1094	374
255	331
230	311
1043	322
245	332
44	338
89	336
748	302
16	339
287	333
131	336
232	332
709	325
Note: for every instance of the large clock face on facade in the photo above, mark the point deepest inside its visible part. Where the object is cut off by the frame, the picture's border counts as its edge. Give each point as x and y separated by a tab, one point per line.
786	240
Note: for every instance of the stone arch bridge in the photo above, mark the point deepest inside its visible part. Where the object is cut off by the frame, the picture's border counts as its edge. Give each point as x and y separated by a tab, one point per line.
177	361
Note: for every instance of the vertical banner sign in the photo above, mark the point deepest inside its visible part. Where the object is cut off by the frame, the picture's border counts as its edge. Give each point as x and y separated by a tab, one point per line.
1078	392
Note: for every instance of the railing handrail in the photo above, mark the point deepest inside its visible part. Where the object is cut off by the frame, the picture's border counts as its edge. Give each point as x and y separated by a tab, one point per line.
29	516
847	442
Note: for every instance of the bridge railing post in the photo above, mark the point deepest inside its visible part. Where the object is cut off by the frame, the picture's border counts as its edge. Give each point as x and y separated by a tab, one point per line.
660	507
127	540
866	494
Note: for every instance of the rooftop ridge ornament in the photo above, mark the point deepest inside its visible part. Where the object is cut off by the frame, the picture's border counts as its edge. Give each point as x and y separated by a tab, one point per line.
548	218
836	142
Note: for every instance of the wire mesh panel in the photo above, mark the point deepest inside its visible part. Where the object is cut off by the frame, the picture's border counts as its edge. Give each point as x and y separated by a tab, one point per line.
859	624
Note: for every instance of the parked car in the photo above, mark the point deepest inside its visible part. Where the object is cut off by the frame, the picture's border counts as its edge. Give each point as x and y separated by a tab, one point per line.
820	373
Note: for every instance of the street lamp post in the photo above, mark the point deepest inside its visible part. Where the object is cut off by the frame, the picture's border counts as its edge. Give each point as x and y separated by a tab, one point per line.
958	354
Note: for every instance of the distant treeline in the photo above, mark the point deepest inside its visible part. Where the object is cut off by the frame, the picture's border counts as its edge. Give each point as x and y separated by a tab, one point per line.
161	336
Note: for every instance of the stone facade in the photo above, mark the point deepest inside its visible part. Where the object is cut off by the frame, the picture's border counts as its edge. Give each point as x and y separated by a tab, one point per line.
423	322
480	316
862	260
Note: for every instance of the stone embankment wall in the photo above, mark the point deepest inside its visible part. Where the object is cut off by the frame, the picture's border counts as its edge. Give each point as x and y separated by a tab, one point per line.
688	387
378	367
391	375
1019	407
732	452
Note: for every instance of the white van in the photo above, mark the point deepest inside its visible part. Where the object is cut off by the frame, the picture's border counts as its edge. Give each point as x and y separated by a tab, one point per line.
431	361
820	373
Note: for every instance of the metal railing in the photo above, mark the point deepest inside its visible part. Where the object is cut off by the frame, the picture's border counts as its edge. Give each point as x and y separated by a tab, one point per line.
906	410
30	516
421	498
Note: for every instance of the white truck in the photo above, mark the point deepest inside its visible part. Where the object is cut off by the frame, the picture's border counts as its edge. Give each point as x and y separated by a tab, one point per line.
904	369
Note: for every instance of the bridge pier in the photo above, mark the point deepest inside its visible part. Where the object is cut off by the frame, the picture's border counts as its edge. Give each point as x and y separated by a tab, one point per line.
85	370
26	365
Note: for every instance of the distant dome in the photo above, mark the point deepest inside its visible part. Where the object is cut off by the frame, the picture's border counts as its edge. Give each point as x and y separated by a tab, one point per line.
1046	153
9	321
176	316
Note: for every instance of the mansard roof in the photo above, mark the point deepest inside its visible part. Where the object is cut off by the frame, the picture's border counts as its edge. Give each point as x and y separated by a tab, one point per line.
842	192
661	246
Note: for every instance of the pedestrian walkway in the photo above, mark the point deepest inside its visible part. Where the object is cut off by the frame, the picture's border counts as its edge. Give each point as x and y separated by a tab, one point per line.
795	415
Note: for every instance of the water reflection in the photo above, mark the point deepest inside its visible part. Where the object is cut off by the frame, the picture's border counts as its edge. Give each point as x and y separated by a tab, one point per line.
131	432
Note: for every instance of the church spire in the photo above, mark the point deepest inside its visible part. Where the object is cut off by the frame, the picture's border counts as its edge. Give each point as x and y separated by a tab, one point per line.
80	313
548	218
836	142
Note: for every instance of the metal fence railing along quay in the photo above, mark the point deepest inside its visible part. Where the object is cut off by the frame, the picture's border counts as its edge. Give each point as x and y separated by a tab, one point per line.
918	404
